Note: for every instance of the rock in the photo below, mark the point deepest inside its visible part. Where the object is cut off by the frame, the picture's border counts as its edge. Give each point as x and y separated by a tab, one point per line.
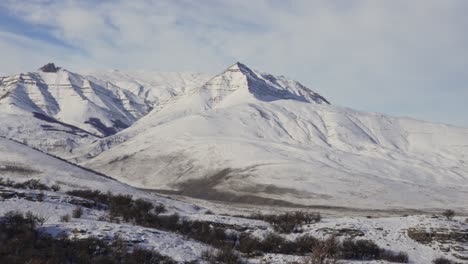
49	67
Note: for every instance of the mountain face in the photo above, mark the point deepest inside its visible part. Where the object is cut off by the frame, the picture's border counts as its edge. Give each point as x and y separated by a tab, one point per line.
242	136
56	110
73	99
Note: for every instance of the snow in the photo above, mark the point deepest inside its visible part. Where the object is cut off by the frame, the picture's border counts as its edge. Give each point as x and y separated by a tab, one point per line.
169	244
50	170
241	134
283	141
389	233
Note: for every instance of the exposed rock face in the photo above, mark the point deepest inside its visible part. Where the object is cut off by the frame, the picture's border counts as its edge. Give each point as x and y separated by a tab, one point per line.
49	67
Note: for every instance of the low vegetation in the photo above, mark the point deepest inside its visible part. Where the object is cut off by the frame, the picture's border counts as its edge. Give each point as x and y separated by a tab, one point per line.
288	222
124	208
77	212
65	218
23	243
449	214
442	260
17	168
32	184
225	255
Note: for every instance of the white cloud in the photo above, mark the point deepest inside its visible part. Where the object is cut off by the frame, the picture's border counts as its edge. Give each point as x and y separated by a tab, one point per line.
388	56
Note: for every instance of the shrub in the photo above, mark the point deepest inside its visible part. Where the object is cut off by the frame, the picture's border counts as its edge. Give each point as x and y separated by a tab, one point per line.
324	252
55	187
368	250
449	214
96	196
160	208
249	245
304	244
224	255
65	218
32	184
273	243
288	222
442	260
22	243
40	196
77	212
228	256
360	249
400	257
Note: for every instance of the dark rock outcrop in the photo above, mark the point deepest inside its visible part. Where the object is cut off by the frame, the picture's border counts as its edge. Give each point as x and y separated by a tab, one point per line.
49	67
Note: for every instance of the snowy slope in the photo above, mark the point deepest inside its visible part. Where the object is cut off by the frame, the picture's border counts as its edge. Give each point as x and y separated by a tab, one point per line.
20	163
250	134
73	99
56	110
154	87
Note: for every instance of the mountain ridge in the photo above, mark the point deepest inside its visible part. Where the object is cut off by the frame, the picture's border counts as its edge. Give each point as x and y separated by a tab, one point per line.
272	136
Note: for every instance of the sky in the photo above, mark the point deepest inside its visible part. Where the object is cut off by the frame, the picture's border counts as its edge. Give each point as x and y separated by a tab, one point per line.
398	57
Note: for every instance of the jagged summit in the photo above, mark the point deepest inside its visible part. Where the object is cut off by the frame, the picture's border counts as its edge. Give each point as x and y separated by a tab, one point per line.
239	67
263	86
49	67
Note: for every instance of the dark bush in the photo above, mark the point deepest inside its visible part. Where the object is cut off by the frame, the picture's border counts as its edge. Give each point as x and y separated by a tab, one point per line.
65	218
22	243
224	255
97	196
304	244
249	245
273	243
55	187
40	196
449	214
400	257
325	252
32	184
288	222
77	212
359	249
228	256
368	250
442	260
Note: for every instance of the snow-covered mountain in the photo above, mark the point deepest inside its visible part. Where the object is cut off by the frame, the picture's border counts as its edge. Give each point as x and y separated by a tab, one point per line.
56	110
73	99
241	135
250	136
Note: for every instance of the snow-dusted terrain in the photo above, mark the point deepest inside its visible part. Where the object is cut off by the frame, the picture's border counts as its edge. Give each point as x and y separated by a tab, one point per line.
249	133
246	133
20	163
235	143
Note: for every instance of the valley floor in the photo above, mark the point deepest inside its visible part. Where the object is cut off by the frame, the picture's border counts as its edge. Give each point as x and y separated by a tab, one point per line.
389	230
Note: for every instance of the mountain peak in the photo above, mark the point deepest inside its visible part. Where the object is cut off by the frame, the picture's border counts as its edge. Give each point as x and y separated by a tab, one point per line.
238	66
262	86
49	67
